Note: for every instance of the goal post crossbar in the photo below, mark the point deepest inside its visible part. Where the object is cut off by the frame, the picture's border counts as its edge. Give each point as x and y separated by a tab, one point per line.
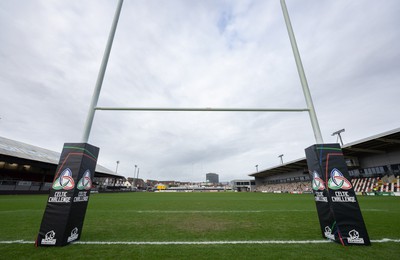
206	109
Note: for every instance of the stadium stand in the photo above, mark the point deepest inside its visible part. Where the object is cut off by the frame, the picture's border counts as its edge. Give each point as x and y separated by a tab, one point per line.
28	169
294	187
373	163
369	184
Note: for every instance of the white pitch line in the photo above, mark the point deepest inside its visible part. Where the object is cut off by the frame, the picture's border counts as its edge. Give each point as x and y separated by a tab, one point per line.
196	211
229	211
216	211
209	242
384	240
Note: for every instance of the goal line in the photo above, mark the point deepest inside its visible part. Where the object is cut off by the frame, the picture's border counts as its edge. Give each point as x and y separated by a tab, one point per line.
240	242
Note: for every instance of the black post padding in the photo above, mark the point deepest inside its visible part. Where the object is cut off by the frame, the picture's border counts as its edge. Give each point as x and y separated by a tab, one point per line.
69	195
337	206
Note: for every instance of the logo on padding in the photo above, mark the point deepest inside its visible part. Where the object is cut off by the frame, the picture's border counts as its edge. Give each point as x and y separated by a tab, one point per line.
338	181
74	235
328	233
64	181
354	237
49	238
317	183
85	183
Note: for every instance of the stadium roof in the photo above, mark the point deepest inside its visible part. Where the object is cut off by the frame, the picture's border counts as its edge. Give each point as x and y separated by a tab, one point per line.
377	144
29	152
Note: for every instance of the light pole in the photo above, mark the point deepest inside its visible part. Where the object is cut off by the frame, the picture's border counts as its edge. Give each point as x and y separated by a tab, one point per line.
134	174
137	175
281	156
256	168
339	136
116	169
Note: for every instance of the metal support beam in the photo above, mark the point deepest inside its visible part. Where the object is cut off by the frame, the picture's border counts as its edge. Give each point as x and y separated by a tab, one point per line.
388	140
303	79
363	150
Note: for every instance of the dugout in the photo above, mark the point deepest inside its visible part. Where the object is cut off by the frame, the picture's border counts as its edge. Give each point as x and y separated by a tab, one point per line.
28	169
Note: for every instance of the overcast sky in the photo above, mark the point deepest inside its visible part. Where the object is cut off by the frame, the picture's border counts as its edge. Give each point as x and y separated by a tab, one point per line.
197	54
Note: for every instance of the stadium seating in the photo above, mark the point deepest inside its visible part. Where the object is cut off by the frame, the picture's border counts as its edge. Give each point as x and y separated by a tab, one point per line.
360	184
294	187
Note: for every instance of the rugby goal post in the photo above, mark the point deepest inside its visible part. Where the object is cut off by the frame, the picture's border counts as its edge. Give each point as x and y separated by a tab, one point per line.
310	106
66	207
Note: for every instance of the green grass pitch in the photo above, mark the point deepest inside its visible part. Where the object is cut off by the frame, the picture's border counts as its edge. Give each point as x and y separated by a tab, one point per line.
197	217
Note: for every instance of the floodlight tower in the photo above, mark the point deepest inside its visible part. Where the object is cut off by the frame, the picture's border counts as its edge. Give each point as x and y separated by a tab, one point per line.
137	176
116	169
338	135
134	176
281	156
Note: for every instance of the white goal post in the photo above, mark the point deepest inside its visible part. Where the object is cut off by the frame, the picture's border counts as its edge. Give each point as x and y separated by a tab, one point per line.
310	107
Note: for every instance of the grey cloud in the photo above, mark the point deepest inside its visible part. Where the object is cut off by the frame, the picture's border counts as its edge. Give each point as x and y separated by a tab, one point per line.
196	54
